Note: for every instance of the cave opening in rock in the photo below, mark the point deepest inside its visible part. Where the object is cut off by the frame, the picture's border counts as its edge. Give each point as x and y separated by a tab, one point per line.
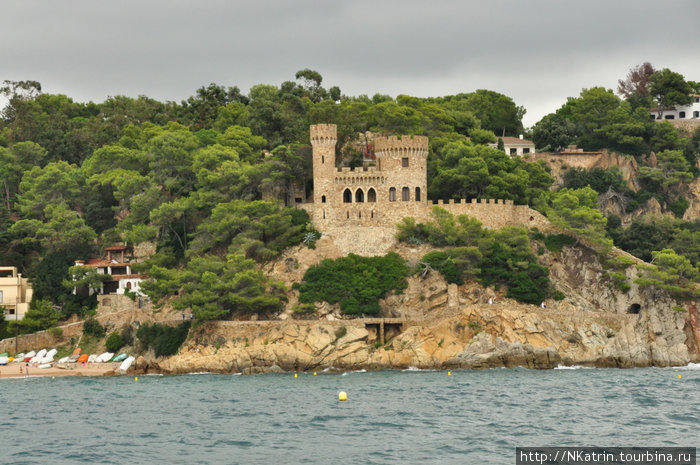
634	309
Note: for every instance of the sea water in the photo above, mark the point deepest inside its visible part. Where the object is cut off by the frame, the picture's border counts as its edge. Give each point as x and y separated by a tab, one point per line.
404	417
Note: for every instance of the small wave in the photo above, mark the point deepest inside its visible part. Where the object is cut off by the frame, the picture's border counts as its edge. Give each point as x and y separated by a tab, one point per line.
355	371
690	366
417	369
201	373
571	367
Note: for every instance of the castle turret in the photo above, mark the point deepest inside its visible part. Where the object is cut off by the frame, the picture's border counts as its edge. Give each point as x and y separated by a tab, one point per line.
406	158
323	139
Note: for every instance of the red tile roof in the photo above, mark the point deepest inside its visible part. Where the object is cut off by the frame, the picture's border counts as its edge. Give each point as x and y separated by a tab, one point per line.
516	140
115	248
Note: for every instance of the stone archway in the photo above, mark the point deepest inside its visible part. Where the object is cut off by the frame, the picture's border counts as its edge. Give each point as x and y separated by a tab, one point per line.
371	195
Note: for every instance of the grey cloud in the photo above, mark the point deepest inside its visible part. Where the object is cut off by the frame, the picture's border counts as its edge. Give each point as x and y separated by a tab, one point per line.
537	52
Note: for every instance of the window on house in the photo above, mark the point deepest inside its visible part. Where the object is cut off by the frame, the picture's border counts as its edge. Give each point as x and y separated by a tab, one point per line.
347	196
371	195
513	151
0	297
697	99
405	194
417	194
696	114
526	150
653	116
392	194
404	162
681	114
323	199
669	117
359	195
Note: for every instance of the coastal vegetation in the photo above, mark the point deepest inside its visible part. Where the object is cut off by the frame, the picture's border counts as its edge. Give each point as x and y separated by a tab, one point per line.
212	181
162	339
501	257
356	282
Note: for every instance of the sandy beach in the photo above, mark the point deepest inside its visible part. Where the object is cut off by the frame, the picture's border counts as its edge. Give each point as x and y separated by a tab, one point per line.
12	370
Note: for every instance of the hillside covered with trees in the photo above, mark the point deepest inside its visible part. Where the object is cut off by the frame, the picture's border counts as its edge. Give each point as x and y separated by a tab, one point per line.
190	177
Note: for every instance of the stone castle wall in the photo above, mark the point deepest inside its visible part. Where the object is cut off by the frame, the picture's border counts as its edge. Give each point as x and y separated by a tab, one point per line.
497	213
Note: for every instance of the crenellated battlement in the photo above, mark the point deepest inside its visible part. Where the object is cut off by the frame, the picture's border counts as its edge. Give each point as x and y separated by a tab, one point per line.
474	201
359	170
413	145
323	133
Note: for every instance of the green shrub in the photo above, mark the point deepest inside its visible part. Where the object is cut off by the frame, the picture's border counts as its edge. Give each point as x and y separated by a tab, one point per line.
356	282
114	342
556	242
558	295
620	281
93	328
456	264
302	309
679	207
509	260
56	332
127	335
340	332
163	339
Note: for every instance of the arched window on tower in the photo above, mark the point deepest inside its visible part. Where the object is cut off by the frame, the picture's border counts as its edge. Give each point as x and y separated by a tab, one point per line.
405	194
347	196
392	194
417	194
359	195
323	199
371	195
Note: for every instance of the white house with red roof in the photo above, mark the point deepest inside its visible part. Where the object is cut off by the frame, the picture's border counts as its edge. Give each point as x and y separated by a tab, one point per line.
119	268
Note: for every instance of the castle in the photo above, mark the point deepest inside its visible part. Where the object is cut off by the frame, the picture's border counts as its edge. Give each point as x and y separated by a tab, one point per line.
396	187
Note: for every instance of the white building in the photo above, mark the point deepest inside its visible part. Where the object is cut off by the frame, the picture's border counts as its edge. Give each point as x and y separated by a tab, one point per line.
15	293
516	146
691	111
122	277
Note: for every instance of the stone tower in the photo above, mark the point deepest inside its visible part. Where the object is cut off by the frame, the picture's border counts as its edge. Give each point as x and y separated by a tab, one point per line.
323	139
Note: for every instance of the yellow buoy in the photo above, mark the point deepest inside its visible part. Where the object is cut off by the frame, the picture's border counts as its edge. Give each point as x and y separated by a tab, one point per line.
679	376
295	375
449	373
342	396
136	378
314	373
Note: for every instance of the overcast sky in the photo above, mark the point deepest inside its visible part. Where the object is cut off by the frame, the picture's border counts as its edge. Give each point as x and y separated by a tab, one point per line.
537	52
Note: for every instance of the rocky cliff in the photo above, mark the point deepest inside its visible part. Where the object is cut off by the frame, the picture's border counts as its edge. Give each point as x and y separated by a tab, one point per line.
444	326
